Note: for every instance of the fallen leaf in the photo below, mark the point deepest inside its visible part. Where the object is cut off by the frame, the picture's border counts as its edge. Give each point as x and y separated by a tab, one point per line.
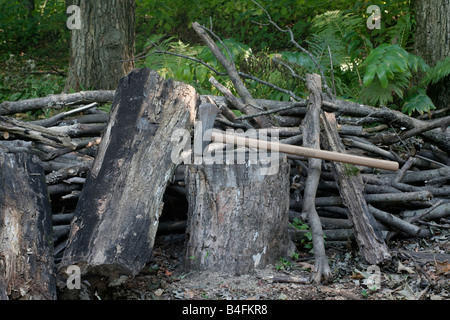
306	266
188	294
442	267
168	273
407	292
358	276
401	267
159	292
282	297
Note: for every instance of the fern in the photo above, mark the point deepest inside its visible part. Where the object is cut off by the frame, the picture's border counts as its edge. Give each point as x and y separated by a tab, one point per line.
437	73
377	94
384	62
418	101
387	71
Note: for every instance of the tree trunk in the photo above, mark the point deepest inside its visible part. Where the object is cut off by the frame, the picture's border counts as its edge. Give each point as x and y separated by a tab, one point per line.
117	215
432	42
106	36
237	218
26	246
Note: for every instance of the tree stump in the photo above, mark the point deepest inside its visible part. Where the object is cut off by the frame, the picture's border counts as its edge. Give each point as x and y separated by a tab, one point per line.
116	219
26	241
237	218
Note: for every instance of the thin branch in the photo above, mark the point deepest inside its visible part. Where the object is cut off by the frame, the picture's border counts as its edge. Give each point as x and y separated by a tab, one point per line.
231	59
181	56
332	70
295	75
267	112
295	43
271	85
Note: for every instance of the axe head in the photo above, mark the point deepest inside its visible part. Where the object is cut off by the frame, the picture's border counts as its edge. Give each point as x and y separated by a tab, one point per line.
207	113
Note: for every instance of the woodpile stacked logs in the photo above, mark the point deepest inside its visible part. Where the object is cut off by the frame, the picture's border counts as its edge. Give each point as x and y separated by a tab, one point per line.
341	200
413	202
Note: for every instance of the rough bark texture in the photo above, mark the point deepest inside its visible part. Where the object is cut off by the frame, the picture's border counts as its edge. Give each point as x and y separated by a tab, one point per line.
311	139
56	101
106	36
26	240
117	214
432	42
368	236
238	217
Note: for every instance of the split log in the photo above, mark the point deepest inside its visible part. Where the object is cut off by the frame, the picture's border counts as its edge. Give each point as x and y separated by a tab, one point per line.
26	246
81	129
60	175
238	216
117	215
31	131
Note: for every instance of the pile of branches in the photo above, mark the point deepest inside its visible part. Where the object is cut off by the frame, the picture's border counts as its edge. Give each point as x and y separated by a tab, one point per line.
414	201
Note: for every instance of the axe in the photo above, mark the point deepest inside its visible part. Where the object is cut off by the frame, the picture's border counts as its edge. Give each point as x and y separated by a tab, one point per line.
208	113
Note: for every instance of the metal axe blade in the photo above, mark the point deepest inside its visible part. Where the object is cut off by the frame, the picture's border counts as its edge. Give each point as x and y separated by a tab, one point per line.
207	113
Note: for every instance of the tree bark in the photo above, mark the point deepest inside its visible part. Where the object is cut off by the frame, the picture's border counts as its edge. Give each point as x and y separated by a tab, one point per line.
311	139
368	235
26	246
56	101
117	214
106	36
237	218
432	42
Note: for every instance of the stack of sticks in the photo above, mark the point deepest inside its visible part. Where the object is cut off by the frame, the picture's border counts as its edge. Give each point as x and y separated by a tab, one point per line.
414	201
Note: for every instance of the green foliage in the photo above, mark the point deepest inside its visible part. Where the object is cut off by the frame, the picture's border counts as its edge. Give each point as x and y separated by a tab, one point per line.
306	242
418	101
198	75
388	72
18	82
350	170
286	264
231	19
437	73
25	28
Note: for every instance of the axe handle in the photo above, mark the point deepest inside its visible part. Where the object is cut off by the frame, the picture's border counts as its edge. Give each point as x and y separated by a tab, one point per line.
302	151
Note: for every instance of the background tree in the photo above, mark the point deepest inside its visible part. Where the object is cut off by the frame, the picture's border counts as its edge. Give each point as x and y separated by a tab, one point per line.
432	42
106	36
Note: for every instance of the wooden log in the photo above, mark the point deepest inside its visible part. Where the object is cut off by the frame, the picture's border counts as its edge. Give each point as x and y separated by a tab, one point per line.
35	132
237	217
57	118
117	215
57	101
311	139
75	171
26	246
368	235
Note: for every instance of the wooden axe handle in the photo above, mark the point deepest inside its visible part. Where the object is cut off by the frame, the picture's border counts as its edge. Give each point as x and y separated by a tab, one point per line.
302	151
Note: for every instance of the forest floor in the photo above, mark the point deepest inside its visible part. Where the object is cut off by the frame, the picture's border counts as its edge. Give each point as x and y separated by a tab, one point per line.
419	270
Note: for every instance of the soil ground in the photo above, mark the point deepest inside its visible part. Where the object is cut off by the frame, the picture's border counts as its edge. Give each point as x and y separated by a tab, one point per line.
419	270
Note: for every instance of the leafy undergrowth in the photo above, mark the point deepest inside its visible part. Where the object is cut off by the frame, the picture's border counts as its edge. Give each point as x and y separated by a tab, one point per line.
419	270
